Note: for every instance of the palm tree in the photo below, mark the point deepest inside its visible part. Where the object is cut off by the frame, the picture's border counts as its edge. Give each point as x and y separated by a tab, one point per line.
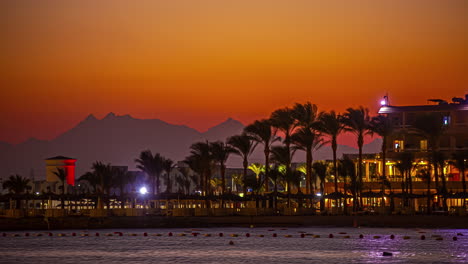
440	161
152	165
459	161
281	156
431	127
306	137
121	177
346	169
168	165
320	169
257	168
221	152
382	126
357	122
307	140
105	175
405	166
243	146
202	162
262	132
283	120
331	125
62	176
183	179
17	184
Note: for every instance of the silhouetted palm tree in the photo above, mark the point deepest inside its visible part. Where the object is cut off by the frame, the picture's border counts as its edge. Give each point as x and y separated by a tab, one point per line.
105	176
62	176
168	165
382	126
357	122
16	184
331	125
283	120
281	156
243	146
262	132
347	169
405	167
431	127
440	160
152	165
320	169
221	152
121	177
305	116
183	180
459	161
202	160
307	140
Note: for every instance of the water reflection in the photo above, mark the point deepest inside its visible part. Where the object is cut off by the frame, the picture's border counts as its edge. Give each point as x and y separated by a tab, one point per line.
344	247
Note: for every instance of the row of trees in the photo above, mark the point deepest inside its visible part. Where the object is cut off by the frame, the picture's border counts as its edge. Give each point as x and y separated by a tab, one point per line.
287	130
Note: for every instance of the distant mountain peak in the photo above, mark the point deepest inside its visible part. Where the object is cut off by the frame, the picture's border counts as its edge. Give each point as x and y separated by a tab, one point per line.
109	116
90	117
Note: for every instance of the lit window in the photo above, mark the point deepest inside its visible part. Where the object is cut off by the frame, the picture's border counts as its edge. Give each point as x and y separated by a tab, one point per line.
398	145
446	120
423	145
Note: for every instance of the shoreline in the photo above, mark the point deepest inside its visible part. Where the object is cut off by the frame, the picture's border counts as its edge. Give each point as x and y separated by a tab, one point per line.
122	222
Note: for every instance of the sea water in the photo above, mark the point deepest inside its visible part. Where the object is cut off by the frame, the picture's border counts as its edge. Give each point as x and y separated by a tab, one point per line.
235	246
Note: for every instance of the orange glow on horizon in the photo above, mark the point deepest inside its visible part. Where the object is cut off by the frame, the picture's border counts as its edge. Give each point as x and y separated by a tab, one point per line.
200	62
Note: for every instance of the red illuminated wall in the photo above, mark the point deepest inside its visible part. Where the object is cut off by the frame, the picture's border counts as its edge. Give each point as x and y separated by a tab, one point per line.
70	169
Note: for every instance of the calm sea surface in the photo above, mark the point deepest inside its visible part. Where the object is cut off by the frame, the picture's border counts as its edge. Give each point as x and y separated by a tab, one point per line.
133	247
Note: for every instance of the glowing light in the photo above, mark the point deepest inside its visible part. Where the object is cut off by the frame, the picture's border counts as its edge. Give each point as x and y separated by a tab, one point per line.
383	102
143	190
37	193
319	194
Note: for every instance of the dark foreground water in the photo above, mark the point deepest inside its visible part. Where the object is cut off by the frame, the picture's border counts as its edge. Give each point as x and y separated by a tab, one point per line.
133	247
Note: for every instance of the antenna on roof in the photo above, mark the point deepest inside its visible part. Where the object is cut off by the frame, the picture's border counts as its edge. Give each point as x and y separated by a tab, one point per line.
438	101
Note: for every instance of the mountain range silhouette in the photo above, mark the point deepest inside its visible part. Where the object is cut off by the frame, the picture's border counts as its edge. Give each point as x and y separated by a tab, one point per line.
120	139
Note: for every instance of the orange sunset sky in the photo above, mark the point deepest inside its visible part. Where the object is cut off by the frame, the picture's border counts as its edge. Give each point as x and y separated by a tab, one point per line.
200	62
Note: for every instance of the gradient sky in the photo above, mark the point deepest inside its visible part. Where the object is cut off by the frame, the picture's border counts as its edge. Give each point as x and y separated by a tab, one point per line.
199	62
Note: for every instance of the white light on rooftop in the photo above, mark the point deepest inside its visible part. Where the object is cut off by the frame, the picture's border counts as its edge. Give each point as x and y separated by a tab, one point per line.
143	190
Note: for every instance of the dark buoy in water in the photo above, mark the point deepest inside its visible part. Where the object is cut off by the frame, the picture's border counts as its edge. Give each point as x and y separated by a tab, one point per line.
361	236
169	234
275	235
387	254
73	234
392	236
221	234
247	235
459	234
145	234
423	237
302	235
27	234
330	236
455	238
97	234
231	243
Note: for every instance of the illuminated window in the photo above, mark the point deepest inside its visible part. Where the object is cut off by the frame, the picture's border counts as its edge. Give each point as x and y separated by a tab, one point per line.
398	145
423	145
446	120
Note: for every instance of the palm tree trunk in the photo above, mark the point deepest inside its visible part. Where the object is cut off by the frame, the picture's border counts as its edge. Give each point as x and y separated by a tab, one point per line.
245	164
223	183
462	172
428	209
384	169
267	167
360	144
444	190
